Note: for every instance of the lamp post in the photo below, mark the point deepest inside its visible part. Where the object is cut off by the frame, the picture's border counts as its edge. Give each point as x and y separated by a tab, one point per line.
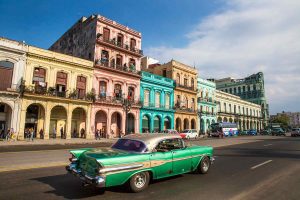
126	104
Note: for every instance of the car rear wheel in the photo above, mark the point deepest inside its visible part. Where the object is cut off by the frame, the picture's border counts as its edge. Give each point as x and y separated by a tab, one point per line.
139	181
204	165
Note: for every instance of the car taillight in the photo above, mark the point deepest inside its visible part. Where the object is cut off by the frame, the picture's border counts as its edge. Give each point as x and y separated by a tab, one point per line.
73	158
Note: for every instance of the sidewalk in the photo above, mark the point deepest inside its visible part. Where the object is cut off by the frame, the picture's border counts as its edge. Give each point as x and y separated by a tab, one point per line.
56	142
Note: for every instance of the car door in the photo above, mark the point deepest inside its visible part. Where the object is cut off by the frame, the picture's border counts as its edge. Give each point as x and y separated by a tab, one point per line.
161	160
182	160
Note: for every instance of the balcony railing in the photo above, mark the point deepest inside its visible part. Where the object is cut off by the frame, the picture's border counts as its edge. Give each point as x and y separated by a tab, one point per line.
121	45
116	99
209	100
183	108
185	86
124	68
202	112
156	106
51	91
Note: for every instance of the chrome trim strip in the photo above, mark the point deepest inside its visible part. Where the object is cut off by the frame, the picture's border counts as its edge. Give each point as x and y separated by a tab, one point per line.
113	169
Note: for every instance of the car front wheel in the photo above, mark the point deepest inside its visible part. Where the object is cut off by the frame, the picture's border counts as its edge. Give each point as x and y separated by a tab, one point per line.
139	181
204	165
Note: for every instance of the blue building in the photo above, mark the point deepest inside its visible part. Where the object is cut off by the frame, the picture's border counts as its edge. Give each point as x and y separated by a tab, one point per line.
207	106
157	97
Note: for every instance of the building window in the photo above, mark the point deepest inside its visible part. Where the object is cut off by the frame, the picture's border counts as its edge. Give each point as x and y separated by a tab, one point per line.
39	75
230	90
132	65
2	108
118	91
178	102
244	88
119	61
81	86
185	82
104	56
146	97
157	100
164	73
229	108
234	90
254	87
6	71
248	87
120	40
193	104
178	79
239	110
106	34
239	89
192	83
102	89
132	44
167	101
234	109
226	90
225	107
61	84
131	93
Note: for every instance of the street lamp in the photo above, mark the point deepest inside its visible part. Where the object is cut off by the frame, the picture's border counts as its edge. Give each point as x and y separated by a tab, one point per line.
126	104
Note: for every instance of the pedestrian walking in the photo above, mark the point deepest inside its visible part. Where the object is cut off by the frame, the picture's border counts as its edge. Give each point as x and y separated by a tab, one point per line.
31	134
2	134
62	132
97	134
41	134
82	133
7	135
54	132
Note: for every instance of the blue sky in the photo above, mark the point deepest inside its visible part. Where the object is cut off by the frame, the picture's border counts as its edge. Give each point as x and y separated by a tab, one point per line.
221	38
40	22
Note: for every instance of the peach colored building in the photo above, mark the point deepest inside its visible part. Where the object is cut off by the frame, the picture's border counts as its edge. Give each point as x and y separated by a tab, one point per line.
116	51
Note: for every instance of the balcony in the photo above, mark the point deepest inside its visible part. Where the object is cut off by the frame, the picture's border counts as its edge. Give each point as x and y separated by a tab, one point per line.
179	107
122	68
192	88
52	92
115	99
153	106
207	113
120	46
206	100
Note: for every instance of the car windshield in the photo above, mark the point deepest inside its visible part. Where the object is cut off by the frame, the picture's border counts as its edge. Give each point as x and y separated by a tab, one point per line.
130	145
295	129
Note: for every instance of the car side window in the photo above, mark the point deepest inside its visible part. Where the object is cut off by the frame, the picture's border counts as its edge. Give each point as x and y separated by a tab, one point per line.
170	144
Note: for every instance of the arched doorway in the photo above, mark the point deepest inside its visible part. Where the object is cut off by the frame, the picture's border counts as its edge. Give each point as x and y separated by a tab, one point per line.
130	123
186	124
116	125
230	120
78	126
193	124
101	123
156	124
35	119
58	122
146	124
5	119
178	124
225	119
219	119
167	123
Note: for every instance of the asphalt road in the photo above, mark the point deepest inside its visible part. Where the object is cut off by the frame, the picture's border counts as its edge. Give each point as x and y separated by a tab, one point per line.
239	172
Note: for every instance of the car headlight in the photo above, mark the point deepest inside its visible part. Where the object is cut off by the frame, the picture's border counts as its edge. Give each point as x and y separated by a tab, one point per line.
73	158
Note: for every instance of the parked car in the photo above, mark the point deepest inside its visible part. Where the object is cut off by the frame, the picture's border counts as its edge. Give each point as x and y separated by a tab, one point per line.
295	132
265	132
135	159
278	132
189	133
251	132
170	131
244	132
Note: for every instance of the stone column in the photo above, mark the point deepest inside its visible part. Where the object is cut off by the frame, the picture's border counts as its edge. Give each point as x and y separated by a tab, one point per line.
89	133
69	122
22	123
108	131
151	124
47	122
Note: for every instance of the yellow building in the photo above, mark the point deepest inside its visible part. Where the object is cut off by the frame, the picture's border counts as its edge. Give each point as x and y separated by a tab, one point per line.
185	94
56	94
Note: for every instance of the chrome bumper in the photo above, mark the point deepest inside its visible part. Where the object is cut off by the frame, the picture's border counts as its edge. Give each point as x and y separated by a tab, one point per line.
98	181
212	159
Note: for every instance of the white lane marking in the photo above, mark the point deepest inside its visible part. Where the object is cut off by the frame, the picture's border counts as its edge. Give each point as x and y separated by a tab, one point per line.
267	145
256	166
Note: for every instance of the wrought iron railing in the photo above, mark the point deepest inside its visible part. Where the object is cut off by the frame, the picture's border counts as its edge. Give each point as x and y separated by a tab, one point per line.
121	45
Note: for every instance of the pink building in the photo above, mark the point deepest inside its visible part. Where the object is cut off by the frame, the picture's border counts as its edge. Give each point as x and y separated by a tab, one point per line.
116	51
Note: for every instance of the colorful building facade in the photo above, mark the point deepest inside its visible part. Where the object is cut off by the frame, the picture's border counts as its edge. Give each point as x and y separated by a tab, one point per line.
157	97
12	67
56	95
185	92
207	106
116	52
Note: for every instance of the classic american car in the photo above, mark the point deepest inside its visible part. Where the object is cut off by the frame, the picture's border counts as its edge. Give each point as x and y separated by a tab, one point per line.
137	158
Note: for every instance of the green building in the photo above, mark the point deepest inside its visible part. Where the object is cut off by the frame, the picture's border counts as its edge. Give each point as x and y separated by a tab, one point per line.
251	88
157	96
207	106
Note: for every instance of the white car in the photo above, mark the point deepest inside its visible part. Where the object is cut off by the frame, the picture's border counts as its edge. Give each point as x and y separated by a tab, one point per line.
189	133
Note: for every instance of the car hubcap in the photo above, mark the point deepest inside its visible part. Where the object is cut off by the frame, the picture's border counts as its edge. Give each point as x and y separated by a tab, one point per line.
205	166
140	180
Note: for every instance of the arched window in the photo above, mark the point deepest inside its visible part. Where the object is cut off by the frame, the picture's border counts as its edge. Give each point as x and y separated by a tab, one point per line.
118	91
38	79
192	83
119	61
167	101
132	44
131	93
120	40
6	71
106	34
102	89
61	83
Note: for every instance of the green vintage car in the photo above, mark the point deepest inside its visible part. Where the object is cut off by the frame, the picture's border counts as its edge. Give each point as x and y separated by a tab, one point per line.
137	158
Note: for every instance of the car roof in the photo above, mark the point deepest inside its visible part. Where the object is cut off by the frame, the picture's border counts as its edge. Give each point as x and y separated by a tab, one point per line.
151	139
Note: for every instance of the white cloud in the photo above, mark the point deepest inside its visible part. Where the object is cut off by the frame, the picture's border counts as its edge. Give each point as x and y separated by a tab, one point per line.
247	37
